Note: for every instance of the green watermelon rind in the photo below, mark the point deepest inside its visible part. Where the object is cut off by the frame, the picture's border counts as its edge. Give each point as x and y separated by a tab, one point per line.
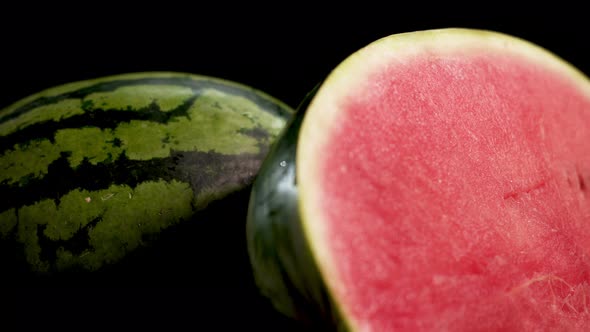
223	130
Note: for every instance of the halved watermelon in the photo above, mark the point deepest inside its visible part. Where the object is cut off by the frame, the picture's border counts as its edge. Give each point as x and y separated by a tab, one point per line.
436	181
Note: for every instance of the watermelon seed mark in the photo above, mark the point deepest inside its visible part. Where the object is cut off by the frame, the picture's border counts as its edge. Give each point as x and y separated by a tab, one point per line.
581	182
515	193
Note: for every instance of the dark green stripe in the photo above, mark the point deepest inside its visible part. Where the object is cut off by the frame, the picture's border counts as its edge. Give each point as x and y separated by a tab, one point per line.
186	81
104	119
200	169
76	244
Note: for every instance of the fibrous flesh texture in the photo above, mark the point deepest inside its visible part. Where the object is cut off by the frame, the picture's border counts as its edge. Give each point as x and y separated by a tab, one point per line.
455	194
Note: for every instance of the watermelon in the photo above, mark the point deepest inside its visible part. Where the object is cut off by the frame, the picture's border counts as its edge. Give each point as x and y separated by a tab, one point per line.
436	180
96	170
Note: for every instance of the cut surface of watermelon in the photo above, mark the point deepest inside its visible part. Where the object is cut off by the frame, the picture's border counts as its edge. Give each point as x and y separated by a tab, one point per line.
443	180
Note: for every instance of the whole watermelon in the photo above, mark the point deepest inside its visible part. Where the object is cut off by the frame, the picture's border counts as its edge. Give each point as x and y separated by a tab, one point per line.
92	171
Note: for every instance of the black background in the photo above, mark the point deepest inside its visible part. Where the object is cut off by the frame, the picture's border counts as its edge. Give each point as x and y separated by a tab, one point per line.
283	50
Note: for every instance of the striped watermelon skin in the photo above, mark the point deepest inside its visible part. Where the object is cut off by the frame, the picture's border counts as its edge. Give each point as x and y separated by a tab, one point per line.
94	170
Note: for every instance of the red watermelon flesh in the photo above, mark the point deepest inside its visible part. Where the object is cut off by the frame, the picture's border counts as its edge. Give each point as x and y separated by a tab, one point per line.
453	184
